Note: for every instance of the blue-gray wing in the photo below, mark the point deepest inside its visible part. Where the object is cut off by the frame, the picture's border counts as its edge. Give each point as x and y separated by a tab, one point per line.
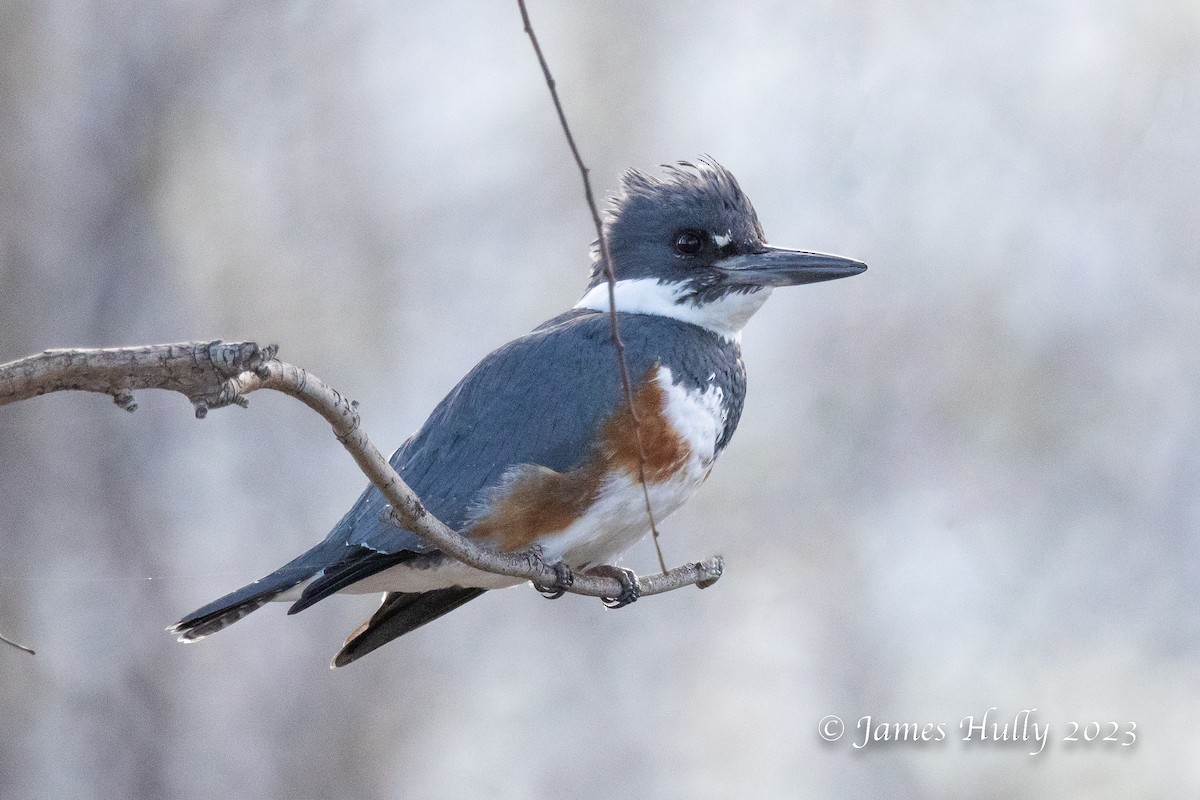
540	399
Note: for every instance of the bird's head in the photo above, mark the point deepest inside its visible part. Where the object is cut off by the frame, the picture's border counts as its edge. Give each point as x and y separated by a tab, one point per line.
689	245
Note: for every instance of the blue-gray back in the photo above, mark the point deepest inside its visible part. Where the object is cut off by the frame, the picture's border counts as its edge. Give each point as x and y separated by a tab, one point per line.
540	399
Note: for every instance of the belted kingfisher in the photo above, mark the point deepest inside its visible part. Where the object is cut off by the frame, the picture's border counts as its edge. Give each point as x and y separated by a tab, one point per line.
536	445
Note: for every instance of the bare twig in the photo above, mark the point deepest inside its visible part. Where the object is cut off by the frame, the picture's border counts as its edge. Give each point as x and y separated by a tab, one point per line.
196	369
217	374
619	345
5	640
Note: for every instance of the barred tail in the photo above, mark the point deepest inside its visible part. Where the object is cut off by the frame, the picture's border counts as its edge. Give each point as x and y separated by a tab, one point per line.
229	609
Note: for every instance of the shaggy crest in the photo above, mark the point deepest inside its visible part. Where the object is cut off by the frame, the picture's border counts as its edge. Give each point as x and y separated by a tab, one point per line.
685	190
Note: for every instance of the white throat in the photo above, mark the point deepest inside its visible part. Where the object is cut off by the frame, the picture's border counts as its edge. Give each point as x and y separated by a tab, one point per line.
726	315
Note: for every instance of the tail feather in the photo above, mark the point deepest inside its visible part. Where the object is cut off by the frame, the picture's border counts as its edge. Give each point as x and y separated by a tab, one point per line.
229	609
357	564
400	613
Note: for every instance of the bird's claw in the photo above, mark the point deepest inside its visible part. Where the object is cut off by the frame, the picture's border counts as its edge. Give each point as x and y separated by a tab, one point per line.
563	578
563	575
630	591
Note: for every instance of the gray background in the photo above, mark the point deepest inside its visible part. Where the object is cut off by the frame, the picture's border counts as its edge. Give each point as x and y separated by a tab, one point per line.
968	478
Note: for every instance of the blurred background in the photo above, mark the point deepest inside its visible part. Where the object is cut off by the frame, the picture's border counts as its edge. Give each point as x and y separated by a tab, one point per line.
968	478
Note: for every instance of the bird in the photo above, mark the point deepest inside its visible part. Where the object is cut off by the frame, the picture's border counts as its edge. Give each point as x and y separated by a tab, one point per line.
537	445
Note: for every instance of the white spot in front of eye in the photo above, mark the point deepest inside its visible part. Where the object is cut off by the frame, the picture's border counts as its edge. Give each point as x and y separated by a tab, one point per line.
723	239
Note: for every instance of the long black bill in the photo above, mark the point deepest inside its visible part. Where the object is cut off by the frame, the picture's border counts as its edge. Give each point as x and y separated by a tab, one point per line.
775	266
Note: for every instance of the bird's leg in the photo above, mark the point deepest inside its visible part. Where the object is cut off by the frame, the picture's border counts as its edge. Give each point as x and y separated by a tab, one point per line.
626	577
563	576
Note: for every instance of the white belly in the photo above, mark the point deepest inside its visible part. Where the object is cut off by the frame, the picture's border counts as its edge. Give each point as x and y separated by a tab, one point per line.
618	519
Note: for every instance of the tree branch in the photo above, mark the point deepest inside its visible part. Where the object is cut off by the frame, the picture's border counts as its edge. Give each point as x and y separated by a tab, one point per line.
216	374
6	640
198	370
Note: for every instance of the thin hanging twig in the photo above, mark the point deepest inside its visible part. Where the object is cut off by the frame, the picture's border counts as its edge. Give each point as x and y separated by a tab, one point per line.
606	262
4	639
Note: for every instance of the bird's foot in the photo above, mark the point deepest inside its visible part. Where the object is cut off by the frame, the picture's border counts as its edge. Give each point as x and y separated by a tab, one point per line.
563	575
628	580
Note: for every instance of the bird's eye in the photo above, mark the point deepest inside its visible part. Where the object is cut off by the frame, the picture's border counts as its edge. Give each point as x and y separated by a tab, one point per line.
690	242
